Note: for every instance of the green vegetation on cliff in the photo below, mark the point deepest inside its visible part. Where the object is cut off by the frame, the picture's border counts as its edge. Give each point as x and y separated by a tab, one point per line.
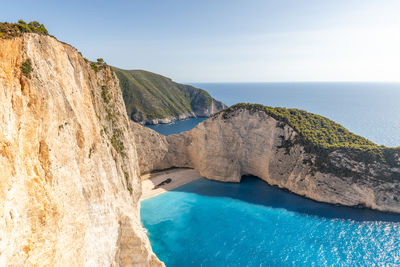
321	135
99	65
151	96
26	68
8	30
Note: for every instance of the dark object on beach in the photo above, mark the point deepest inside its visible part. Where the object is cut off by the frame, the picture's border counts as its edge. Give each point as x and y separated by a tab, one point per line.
167	181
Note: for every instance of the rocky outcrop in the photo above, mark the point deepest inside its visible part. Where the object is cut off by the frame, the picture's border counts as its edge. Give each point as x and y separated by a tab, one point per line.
225	148
199	111
69	186
208	111
169	119
152	149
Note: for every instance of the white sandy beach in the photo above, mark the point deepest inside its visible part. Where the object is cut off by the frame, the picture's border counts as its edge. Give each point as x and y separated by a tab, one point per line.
178	176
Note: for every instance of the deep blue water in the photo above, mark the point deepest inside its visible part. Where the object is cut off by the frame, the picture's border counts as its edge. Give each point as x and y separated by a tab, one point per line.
208	223
371	110
176	126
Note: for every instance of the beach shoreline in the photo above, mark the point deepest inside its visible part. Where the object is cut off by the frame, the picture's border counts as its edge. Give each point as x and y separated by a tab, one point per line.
154	184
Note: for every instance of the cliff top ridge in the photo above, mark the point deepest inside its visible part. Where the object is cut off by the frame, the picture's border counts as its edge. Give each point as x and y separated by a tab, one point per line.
9	30
321	135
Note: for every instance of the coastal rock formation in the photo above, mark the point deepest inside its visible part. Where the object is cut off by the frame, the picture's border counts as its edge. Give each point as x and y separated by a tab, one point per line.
152	149
198	111
69	186
152	99
242	141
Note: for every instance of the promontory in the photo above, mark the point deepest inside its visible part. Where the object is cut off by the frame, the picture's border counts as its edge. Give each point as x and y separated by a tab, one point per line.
71	157
302	152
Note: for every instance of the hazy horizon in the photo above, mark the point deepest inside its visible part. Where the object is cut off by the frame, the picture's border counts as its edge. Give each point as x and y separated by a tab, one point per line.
230	41
236	82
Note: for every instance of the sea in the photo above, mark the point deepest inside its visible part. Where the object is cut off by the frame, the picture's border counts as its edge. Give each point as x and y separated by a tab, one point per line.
209	223
371	110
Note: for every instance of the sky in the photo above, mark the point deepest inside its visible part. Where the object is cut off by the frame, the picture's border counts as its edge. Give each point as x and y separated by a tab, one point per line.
230	40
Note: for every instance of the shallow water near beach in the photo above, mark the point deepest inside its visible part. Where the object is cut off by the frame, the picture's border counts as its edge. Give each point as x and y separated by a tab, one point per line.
209	223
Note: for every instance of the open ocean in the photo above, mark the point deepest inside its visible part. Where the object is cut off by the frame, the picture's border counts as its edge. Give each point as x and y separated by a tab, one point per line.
208	223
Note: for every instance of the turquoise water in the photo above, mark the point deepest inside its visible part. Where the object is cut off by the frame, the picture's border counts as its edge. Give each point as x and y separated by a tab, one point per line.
208	223
368	109
176	126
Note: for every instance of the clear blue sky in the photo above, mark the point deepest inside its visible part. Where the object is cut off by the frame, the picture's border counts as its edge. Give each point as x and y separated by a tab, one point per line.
230	41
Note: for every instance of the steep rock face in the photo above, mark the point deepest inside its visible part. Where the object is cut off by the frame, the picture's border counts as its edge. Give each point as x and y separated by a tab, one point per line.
169	119
208	111
251	143
152	149
69	186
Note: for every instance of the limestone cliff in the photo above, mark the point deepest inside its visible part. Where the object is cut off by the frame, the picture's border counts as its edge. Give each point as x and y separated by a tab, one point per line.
246	142
152	147
69	186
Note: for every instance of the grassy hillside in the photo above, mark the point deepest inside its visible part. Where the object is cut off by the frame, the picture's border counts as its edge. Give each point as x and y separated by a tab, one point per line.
151	96
321	135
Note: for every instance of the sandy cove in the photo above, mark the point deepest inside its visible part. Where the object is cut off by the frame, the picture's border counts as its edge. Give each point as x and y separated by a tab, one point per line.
178	176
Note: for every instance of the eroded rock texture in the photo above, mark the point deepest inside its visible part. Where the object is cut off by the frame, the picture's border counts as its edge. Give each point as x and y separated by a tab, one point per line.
252	143
69	184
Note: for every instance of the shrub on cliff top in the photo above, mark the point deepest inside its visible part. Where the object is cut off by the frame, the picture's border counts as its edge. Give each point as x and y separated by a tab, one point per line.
99	65
321	135
8	30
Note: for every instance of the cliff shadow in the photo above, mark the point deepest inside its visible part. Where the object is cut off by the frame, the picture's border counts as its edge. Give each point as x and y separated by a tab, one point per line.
256	191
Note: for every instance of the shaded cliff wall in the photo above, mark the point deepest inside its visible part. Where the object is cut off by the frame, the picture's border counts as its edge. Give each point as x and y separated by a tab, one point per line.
69	185
253	143
152	149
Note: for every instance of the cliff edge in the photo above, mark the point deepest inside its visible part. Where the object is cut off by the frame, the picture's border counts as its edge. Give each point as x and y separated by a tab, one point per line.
305	153
69	186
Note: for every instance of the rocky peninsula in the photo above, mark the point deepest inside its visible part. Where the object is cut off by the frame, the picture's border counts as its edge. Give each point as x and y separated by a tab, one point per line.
302	152
71	159
151	98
